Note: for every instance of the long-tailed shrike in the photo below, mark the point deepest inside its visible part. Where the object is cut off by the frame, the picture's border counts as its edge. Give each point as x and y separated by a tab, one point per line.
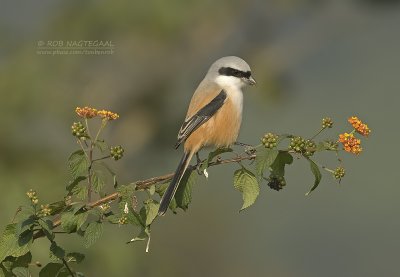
214	115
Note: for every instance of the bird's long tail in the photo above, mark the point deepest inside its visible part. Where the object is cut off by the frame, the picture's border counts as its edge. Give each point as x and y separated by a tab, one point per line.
173	186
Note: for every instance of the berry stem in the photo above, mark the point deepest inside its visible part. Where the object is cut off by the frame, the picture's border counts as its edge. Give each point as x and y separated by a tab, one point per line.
319	132
103	158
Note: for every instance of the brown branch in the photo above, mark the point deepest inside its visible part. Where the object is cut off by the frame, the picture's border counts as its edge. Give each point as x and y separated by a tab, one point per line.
144	184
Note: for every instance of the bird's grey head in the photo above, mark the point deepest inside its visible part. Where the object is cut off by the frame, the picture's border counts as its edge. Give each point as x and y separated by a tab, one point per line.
231	71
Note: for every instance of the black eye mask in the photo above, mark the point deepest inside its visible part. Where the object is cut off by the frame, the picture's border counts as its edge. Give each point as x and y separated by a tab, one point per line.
229	71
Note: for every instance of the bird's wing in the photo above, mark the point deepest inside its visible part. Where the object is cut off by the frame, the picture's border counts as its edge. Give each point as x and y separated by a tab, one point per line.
203	115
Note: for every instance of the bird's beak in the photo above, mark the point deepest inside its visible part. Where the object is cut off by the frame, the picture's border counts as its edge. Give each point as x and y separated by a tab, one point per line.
250	81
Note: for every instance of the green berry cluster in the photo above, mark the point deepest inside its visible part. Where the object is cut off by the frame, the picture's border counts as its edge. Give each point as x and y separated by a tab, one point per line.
310	149
339	172
45	210
297	144
276	182
116	152
327	122
123	220
32	196
302	146
78	130
269	140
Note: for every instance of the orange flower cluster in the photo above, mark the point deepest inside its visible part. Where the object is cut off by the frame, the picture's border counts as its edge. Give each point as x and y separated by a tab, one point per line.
360	127
107	115
86	112
350	143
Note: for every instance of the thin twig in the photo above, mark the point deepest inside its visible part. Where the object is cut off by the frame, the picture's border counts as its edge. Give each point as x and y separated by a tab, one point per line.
68	268
144	184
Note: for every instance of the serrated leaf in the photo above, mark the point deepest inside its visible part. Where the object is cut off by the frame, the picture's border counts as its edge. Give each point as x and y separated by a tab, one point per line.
264	160
47	228
51	269
78	164
71	222
126	192
278	166
79	208
247	184
92	233
97	181
9	243
112	173
25	237
23	261
21	272
26	224
135	219
71	186
317	174
183	195
151	211
80	191
214	154
114	219
75	257
68	222
56	250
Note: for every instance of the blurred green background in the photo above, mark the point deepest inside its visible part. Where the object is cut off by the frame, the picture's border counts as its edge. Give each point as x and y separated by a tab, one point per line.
311	59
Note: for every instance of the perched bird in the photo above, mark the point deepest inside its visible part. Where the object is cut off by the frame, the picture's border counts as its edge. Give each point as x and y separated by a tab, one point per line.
214	115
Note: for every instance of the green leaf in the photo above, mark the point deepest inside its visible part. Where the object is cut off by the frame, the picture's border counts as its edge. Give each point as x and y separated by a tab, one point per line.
23	261
80	192
78	164
56	250
12	266
26	224
112	173
57	207
152	189
102	145
9	245
47	227
79	208
160	190
151	207
71	222
264	160
74	257
126	192
21	272
25	237
317	174
214	154
92	233
50	270
71	186
183	195
98	181
114	219
247	184
278	166
135	219
68	222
